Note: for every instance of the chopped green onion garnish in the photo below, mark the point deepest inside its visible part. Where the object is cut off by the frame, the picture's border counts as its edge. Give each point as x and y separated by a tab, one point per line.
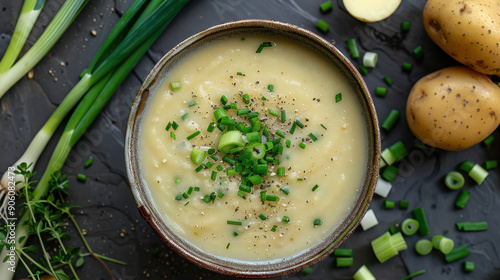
184	116
239	73
338	97
417	273
81	177
280	134
285	190
281	171
273	229
363	273
242	195
175	85
388	80
283	116
470	226
273	112
270	87
229	160
363	70
418	52
172	135
214	175
185	195
193	135
468	266
322	26
219	114
406	66
302	145
390	120
285	219
196	189
255	179
175	125
288	143
344	262
272	198
211	127
315	187
410	226
487	142
383	247
191	103
236	223
342	252
198	156
389	173
405	26
326	6
317	222
370	59
457	254
199	168
253	115
262	217
423	247
224	100
169	125
292	129
245	188
208	165
216	158
313	137
389	204
381	91
88	163
454	180
263	195
242	112
230	171
403	204
246	98
419	215
235	234
353	48
219	167
230	140
490	164
306	270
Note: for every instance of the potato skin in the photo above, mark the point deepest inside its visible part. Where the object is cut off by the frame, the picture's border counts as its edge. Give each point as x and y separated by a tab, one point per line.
468	30
453	108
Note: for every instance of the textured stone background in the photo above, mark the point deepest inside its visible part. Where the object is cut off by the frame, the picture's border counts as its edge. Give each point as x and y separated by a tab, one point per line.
114	226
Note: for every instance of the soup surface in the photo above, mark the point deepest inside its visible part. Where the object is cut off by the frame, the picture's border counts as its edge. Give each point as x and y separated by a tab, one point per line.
324	160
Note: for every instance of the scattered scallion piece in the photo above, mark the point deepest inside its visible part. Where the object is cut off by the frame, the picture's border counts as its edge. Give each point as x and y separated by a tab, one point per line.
242	112
313	137
423	247
405	26
185	116
472	226
263	45
262	217
389	204
315	187
353	48
344	262
175	125
270	88
369	220
457	254
410	226
390	120
285	190
302	145
306	270
462	199
280	134
285	219
208	165
454	180
198	156
418	52
406	66
490	164
169	125
342	252
175	85
383	248
338	97
172	135
199	168
272	198
193	135
323	126
230	140
443	244
273	112
89	162
363	70
419	215
326	6
236	223
246	98
81	177
389	173
283	116
281	171
317	222
192	103
322	26
370	59
403	204
363	273
214	175
468	266
388	80
487	142
381	91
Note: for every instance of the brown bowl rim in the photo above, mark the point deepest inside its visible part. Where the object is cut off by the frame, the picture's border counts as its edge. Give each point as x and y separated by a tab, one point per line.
352	219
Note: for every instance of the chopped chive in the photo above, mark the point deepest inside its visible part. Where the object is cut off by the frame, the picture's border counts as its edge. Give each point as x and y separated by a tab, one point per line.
288	143
273	112
176	180
227	246
380	91
230	171
299	123
175	125
214	175
338	97
285	219
270	88
273	229
342	252
292	129
216	158
175	85
224	100
211	127
255	179
418	52
242	195
390	120
169	125
411	276
184	116
419	215
487	142
280	134
227	121
239	73
264	98
353	48
472	226
178	198
185	195
246	98
219	114
306	271
363	70
389	204
462	199
344	262
313	137
199	168
322	26
317	222
81	177
405	26
193	135
172	135
285	190
370	59
281	171
388	80
235	233
242	112
206	198
253	115
211	151
235	223
393	229
490	164
272	198
196	189
302	145
245	188
403	204
219	167
300	179
315	187
192	103
186	203
190	190
326	6
457	254
263	195
468	266
88	163
389	173
262	217
406	66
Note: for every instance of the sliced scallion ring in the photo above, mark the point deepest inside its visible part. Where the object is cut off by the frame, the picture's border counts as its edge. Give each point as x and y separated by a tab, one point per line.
230	140
410	226
258	150
198	156
454	180
423	246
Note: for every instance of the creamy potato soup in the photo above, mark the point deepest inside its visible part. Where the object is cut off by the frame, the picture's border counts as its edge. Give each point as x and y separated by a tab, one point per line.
275	192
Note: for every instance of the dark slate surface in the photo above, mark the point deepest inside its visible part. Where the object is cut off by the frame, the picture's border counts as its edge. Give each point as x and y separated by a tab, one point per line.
109	216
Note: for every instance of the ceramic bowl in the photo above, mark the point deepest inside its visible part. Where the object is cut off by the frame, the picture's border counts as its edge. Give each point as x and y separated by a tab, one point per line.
220	264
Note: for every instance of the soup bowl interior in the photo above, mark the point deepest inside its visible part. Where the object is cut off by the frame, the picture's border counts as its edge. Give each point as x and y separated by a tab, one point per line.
221	264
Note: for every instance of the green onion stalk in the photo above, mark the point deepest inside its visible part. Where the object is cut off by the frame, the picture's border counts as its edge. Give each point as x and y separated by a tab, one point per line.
64	17
155	17
29	14
114	50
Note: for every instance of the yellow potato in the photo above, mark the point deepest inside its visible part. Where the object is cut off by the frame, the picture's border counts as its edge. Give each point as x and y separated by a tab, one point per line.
453	108
468	30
